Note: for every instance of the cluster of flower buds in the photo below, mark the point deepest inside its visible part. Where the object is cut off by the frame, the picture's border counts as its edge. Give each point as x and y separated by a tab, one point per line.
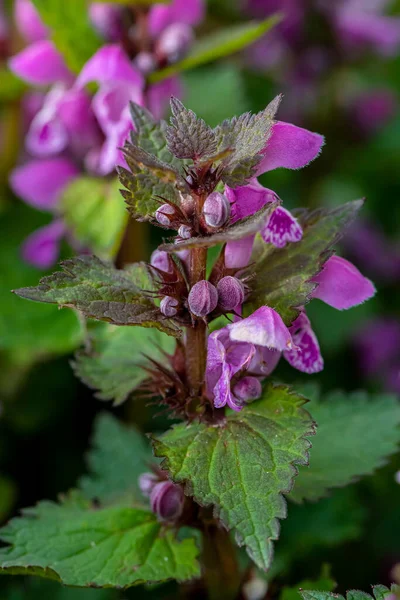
166	498
215	214
204	297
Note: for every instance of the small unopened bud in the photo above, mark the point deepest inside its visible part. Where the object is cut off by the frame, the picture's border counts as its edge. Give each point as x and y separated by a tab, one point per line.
248	388
168	306
145	62
161	260
167	500
175	41
230	292
216	210
185	232
203	298
165	214
147	481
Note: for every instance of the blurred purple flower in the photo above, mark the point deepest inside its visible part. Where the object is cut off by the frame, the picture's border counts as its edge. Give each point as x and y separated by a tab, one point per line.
67	128
378	351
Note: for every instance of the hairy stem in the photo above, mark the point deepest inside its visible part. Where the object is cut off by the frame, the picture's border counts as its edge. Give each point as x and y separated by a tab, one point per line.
196	350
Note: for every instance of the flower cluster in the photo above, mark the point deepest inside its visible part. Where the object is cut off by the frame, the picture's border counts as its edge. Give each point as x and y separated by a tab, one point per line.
69	130
243	353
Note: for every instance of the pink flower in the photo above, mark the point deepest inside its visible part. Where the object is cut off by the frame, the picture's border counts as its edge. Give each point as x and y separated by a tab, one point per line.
231	351
290	147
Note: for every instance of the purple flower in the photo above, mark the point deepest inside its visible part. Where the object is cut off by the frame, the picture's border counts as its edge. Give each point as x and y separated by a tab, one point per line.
373	109
341	285
107	19
28	21
290	147
42	247
232	349
378	350
167	500
360	24
189	12
203	298
307	358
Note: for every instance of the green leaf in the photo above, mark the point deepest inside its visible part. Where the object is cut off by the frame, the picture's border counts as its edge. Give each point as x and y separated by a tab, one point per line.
11	88
29	331
41	589
324	583
243	228
356	434
84	546
142	189
118	456
217	45
113	363
282	275
380	593
149	135
96	214
243	466
248	135
188	136
100	292
71	30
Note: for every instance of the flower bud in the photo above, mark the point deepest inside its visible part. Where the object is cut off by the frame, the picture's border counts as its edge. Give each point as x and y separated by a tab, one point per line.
216	210
168	306
203	298
145	62
230	292
175	41
161	260
147	481
247	388
185	232
165	214
167	500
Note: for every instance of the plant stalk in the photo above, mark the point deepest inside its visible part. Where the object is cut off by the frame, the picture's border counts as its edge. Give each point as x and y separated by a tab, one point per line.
220	569
196	348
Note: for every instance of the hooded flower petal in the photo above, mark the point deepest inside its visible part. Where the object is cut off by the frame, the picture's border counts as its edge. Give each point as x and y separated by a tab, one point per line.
248	199
110	65
40	182
107	18
282	228
42	247
341	285
40	64
190	12
307	358
28	21
263	328
290	147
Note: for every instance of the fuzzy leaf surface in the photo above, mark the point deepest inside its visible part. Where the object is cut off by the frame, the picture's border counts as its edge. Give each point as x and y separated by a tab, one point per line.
118	455
113	363
144	190
223	42
83	546
71	30
243	228
355	436
149	135
243	466
96	214
100	292
283	274
188	136
248	135
380	593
